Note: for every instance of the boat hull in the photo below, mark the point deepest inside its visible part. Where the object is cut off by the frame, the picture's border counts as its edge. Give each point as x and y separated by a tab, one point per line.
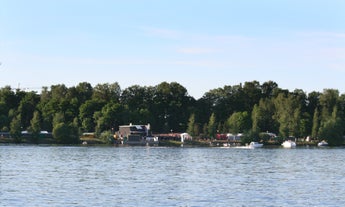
255	145
322	144
289	144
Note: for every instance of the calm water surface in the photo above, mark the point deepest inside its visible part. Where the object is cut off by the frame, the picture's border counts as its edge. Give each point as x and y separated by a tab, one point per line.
149	176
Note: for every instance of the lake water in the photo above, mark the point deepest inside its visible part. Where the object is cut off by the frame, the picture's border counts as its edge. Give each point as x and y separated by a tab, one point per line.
154	176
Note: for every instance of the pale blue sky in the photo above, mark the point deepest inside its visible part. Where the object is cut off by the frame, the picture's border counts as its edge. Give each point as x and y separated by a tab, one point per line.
200	44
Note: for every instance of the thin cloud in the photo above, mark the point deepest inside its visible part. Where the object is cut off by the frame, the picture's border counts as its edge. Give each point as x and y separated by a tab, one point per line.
190	43
339	67
230	39
196	51
185	35
162	33
330	35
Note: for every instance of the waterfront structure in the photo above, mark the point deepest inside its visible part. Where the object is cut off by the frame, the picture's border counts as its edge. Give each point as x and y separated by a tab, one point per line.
136	135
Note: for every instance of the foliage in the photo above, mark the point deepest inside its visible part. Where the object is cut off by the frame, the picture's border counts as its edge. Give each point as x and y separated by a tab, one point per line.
86	114
264	137
328	100
211	127
16	129
332	129
263	116
239	122
249	137
192	125
168	107
316	124
107	137
107	92
332	132
287	114
66	133
35	127
112	114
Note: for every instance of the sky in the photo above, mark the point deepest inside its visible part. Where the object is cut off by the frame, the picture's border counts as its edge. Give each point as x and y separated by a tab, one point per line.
200	44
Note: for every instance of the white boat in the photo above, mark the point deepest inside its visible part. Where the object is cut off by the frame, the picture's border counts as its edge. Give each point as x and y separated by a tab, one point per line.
255	145
243	147
289	144
323	143
225	145
251	145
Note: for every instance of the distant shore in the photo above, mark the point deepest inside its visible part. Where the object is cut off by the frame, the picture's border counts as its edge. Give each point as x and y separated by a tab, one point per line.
167	143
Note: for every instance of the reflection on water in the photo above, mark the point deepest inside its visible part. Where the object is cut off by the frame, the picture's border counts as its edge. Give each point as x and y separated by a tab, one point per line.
144	176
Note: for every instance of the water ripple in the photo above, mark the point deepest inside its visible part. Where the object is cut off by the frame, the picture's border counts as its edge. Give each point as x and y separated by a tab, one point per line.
143	176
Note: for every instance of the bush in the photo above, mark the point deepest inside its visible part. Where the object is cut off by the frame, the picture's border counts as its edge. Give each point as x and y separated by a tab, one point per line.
107	137
66	134
332	132
265	137
250	136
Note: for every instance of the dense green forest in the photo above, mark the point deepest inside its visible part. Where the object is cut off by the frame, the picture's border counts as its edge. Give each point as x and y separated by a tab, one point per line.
249	107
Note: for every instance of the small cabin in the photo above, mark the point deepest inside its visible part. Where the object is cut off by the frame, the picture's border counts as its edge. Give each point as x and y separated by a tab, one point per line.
134	134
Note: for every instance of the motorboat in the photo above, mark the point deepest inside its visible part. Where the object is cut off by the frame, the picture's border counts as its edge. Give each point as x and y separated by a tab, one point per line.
289	144
323	143
225	145
251	145
255	145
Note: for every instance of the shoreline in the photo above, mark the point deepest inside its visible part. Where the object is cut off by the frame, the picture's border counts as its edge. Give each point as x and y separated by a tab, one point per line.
162	143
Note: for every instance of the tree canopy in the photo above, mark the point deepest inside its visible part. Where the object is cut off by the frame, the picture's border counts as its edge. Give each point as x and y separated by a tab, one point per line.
168	107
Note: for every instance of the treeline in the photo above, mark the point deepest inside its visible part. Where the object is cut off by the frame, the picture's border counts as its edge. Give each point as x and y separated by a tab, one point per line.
250	107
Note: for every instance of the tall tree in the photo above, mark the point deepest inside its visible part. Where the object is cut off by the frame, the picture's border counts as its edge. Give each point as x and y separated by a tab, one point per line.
328	100
191	125
111	116
332	129
35	127
27	107
138	100
288	114
84	92
262	116
251	94
210	103
316	124
8	96
212	126
16	128
256	119
135	97
268	89
171	106
4	120
8	101
239	122
107	92
65	132
58	92
86	114
313	102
